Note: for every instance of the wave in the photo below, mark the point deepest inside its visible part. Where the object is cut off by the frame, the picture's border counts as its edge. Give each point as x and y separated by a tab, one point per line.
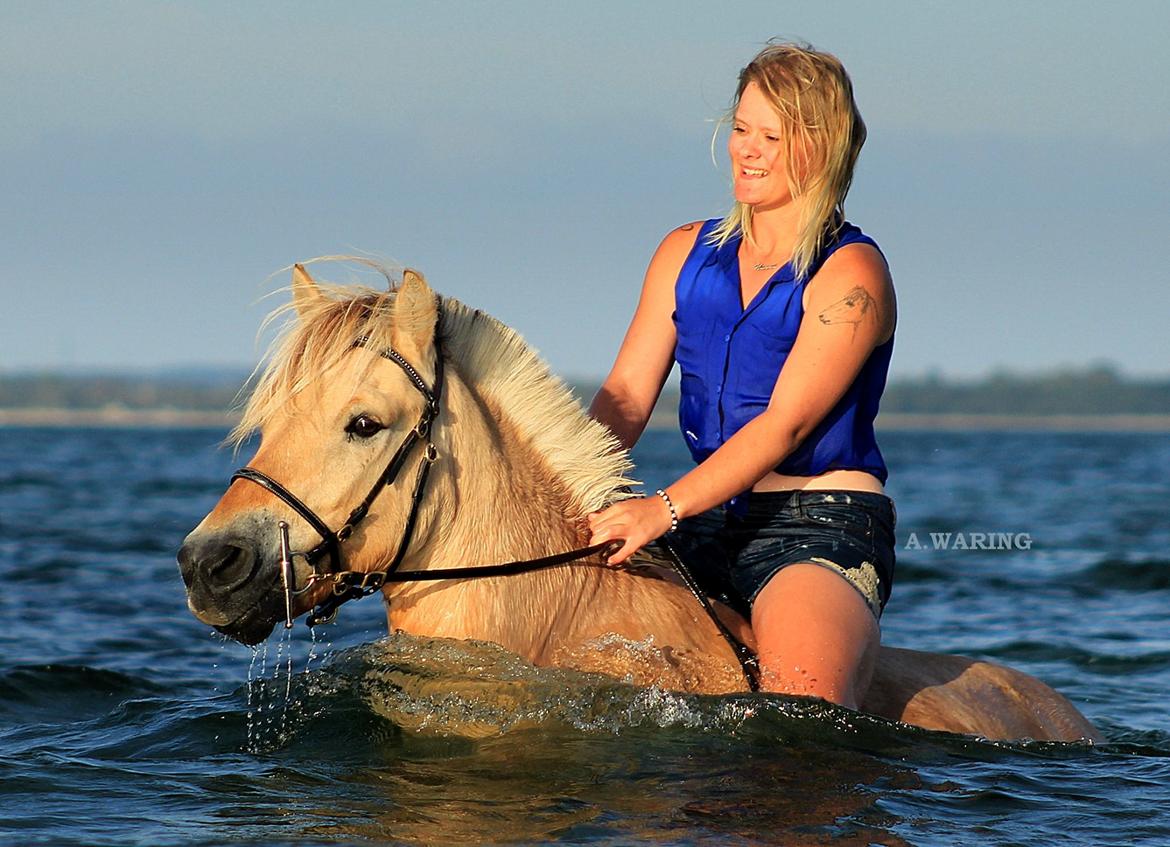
1113	573
411	737
65	693
424	697
916	571
1097	662
1099	576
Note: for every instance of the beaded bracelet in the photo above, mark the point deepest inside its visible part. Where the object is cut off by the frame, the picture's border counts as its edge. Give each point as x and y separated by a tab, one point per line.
673	512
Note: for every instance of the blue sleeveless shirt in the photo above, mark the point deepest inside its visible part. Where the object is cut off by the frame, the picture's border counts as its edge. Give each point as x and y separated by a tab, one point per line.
731	355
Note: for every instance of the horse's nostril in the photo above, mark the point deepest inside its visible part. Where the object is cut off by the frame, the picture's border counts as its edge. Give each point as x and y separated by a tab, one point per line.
223	568
229	567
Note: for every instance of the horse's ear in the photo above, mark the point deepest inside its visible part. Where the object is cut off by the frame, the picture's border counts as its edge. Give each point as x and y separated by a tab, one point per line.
304	289
415	312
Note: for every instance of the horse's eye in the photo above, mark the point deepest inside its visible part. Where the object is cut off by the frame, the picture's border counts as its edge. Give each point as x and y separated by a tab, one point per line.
363	426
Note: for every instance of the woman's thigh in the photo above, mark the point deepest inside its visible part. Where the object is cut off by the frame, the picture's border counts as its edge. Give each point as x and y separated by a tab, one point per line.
849	532
815	634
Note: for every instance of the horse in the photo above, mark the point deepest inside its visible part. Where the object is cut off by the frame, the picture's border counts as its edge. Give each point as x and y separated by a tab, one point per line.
511	468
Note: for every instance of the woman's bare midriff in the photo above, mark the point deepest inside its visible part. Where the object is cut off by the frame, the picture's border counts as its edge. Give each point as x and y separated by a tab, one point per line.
841	480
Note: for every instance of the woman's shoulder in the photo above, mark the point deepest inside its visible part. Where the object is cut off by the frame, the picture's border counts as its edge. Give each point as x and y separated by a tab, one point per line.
849	235
688	233
852	251
672	254
855	273
678	243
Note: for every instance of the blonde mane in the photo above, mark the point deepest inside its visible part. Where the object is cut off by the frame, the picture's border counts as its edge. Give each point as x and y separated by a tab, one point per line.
495	359
492	359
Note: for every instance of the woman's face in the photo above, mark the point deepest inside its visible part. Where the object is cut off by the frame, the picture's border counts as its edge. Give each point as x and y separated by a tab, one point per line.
759	155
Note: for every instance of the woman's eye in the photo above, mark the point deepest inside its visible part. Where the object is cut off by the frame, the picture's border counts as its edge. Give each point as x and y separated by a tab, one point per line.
363	426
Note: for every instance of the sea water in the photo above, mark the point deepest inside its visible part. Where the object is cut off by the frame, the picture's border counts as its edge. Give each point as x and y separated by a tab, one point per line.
123	720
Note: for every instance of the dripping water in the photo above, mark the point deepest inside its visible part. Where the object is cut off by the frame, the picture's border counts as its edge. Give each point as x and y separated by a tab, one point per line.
282	665
256	704
274	707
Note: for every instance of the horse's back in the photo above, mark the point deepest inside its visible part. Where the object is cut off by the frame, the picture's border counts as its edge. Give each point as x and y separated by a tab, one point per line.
958	694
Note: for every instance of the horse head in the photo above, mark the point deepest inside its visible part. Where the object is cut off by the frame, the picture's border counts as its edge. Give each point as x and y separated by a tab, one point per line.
335	404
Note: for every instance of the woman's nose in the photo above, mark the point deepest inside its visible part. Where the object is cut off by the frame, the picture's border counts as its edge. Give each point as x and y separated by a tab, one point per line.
748	148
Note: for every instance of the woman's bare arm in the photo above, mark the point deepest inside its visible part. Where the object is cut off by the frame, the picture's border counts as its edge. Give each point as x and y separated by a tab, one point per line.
851	310
627	397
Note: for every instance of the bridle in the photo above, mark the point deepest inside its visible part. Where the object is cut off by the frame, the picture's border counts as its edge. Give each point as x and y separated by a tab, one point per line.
326	560
352	585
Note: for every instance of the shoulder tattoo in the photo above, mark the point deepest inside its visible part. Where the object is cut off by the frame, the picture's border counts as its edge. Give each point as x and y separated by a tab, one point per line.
852	309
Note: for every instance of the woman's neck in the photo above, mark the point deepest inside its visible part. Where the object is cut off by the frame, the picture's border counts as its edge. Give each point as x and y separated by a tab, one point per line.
775	230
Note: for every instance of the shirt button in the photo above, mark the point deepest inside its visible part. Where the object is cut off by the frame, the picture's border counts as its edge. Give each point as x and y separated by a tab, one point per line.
719	387
727	338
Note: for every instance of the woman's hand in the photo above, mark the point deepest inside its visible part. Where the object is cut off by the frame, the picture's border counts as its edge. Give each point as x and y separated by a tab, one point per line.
637	521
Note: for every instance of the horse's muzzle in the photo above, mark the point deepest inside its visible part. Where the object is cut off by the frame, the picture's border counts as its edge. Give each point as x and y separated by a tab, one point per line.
229	585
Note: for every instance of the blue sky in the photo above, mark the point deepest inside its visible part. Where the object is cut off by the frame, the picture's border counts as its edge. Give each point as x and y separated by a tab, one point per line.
160	161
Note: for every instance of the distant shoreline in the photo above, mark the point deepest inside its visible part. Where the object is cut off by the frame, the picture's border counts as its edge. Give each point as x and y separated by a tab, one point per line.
899	421
115	418
889	422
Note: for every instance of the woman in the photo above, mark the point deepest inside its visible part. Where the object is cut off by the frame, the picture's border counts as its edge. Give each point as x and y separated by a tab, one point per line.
781	317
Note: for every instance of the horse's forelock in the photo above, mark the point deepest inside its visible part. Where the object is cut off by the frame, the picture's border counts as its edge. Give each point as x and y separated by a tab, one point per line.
312	339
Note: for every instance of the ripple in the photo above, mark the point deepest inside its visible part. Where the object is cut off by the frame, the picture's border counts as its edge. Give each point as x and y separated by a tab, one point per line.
64	693
1111	664
1124	574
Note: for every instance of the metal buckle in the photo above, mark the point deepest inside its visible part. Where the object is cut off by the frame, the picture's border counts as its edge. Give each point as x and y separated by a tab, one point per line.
371	582
320	616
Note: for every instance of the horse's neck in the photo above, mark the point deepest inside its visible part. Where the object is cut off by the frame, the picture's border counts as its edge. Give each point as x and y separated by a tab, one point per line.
502	503
510	504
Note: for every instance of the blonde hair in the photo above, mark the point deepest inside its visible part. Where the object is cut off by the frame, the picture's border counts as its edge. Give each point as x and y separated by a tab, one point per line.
823	130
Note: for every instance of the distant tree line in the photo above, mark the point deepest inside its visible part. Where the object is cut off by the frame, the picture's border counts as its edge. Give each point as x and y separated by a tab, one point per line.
62	391
1095	390
1099	389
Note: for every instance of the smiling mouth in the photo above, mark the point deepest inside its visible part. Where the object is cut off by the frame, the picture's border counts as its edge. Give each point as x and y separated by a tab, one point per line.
753	172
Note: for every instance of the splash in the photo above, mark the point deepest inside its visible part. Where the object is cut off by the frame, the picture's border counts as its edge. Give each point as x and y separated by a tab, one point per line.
477	690
405	687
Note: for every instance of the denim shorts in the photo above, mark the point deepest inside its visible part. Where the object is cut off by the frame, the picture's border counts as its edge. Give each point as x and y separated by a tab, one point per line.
848	532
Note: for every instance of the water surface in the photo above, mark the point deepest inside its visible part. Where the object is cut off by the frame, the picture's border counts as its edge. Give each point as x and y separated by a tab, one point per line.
123	720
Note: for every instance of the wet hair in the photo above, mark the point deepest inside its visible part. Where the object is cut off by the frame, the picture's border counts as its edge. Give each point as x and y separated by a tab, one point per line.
823	130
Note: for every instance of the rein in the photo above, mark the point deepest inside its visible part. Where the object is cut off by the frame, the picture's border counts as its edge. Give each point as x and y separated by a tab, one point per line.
353	585
350	585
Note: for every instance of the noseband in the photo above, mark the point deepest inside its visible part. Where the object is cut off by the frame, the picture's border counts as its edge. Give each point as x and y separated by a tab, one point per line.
329	549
